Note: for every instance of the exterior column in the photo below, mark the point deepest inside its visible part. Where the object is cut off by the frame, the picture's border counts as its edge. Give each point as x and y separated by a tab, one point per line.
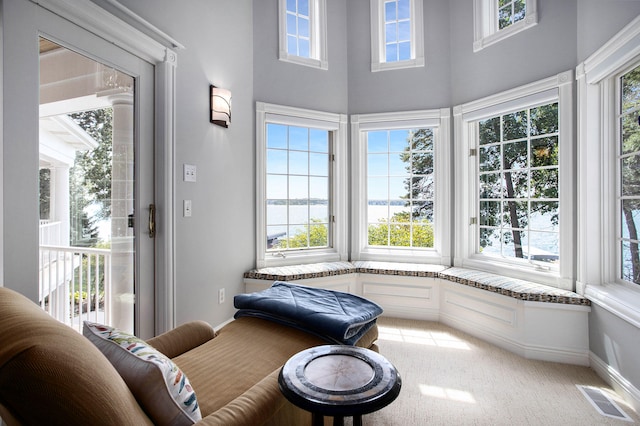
122	294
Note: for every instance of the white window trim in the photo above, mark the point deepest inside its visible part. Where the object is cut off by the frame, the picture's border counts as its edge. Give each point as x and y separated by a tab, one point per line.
270	113
485	20
439	120
557	88
378	62
318	35
597	267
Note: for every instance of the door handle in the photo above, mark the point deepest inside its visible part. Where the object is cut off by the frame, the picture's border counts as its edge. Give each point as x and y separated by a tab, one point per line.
152	220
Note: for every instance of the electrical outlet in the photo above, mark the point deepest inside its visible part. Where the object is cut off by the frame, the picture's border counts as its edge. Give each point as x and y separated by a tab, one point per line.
221	296
190	172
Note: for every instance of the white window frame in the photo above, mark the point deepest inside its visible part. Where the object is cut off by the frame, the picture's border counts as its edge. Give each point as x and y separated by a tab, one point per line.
318	57
336	123
557	88
439	120
378	60
485	23
598	261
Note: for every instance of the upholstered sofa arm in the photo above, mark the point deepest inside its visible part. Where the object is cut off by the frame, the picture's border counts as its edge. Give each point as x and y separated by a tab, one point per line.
183	338
262	404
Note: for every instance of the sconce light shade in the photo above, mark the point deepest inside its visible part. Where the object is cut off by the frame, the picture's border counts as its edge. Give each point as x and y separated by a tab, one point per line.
220	106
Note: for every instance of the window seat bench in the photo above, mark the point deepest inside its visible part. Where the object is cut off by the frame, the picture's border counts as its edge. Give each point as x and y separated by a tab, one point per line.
530	319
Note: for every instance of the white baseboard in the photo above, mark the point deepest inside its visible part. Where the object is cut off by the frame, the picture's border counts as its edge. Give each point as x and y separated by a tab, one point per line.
622	386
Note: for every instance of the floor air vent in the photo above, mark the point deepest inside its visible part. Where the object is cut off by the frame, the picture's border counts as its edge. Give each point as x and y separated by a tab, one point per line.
605	405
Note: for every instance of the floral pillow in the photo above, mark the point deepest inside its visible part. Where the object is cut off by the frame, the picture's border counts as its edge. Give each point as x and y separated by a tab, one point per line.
161	388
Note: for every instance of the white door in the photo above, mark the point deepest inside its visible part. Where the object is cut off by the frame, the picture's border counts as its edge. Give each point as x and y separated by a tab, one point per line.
44	130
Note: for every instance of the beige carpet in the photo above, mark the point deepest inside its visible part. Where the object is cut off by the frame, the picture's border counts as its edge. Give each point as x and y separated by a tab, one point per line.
452	378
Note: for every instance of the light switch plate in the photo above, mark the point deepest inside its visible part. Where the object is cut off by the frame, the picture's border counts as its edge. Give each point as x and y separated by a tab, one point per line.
186	208
189	173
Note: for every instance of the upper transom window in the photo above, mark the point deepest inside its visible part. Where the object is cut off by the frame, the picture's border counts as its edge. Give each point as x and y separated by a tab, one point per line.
396	34
495	20
303	28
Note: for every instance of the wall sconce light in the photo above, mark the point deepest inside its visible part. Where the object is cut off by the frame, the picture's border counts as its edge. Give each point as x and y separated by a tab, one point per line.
220	106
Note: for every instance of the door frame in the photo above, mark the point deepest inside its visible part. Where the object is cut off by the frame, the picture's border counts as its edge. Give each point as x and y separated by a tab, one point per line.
90	17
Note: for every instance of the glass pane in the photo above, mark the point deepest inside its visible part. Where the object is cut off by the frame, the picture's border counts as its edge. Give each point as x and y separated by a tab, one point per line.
298	187
303	7
490	185
519	10
630	262
318	164
391	32
399	235
404	11
276	136
377	188
87	159
422	187
422	163
422	211
544	119
397	188
276	187
543	247
544	152
398	140
515	155
515	125
489	158
630	219
291	6
422	140
304	48
544	183
544	215
515	214
489	131
303	27
516	185
631	90
276	161
319	235
504	17
490	213
489	241
318	140
631	175
630	133
377	142
390	11
298	163
422	236
319	211
298	138
392	53
292	45
397	165
378	164
275	237
404	31
404	52
292	28
377	211
514	243
319	188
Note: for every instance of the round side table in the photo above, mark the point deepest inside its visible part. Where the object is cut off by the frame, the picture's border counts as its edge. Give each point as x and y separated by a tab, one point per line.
339	381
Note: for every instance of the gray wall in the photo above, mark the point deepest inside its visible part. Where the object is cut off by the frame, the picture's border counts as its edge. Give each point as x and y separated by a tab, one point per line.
599	20
539	52
216	245
405	89
294	85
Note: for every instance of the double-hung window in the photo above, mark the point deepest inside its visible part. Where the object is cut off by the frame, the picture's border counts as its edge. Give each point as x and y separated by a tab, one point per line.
401	186
609	173
303	32
514	153
300	185
397	35
495	20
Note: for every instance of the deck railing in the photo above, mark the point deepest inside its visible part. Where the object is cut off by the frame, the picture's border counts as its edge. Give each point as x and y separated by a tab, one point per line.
75	284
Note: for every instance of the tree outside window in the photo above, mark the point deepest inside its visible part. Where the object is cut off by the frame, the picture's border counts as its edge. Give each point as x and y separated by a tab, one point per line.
629	175
518	185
